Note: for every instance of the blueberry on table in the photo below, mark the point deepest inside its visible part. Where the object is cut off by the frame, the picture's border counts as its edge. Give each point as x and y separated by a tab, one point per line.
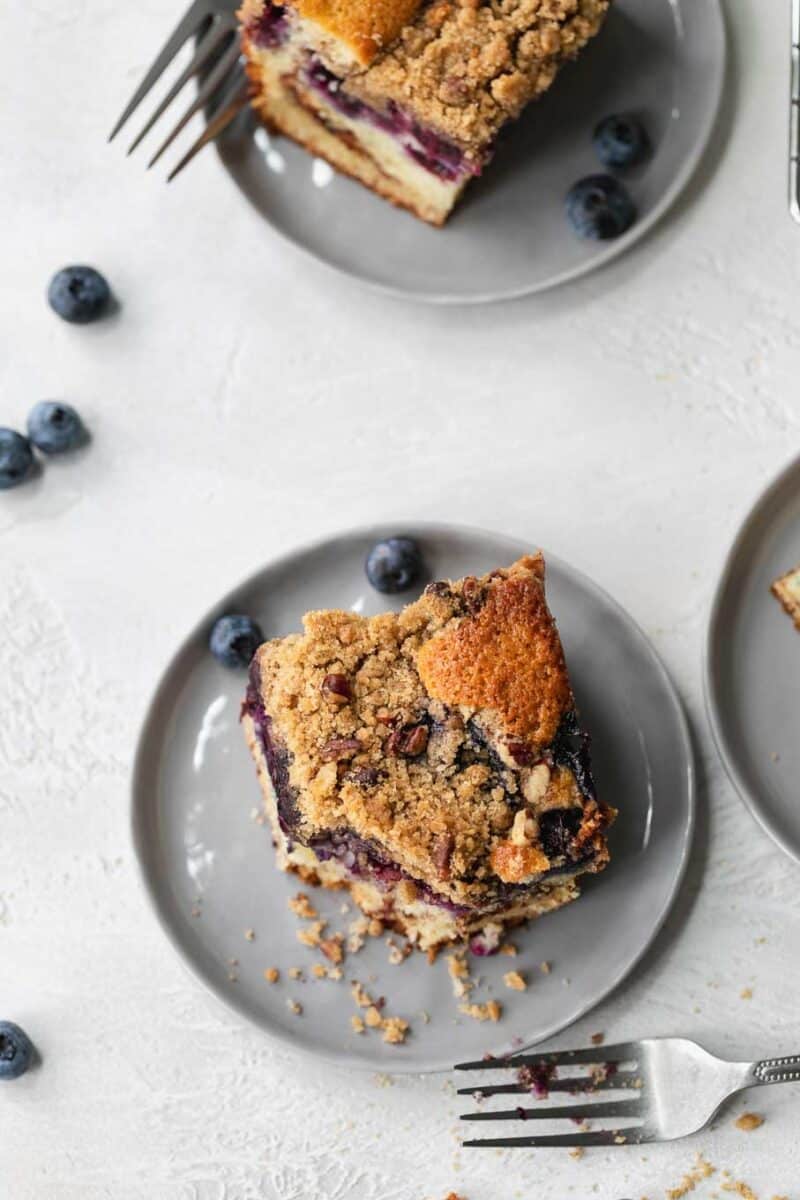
600	208
620	141
16	1051
79	294
234	640
16	458
394	565
54	427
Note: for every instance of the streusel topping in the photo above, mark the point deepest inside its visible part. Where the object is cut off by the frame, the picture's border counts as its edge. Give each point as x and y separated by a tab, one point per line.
437	775
464	67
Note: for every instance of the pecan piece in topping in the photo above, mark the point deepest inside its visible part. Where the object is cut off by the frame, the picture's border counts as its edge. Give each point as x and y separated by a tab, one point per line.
442	850
336	689
409	742
338	748
364	776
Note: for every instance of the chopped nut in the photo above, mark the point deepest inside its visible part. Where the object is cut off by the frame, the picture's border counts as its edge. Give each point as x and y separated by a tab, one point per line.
408	742
272	974
301	906
482	1012
338	748
749	1121
515	981
443	848
336	689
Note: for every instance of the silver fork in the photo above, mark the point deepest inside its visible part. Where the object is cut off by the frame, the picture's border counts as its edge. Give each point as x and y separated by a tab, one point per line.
794	117
216	62
675	1088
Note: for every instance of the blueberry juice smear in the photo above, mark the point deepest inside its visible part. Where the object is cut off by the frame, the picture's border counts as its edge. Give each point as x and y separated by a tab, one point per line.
272	27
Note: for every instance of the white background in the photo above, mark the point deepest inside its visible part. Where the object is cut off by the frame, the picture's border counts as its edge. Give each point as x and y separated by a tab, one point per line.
245	400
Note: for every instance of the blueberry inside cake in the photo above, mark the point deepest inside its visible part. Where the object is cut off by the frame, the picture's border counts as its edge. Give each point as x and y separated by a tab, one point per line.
431	760
407	96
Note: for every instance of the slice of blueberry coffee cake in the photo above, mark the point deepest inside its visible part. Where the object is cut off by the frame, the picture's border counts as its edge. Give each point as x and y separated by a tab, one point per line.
431	760
407	96
787	591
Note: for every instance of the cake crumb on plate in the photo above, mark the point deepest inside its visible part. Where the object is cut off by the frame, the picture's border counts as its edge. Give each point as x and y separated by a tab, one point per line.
749	1121
515	981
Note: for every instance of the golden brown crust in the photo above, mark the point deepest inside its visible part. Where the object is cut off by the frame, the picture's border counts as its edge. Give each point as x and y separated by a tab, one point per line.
366	26
507	658
449	790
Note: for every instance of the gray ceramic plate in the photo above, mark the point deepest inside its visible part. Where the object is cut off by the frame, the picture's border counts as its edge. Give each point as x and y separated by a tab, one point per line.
663	59
753	661
195	790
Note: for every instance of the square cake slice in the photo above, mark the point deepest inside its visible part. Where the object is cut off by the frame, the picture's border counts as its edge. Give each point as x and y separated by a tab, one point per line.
407	96
787	590
431	760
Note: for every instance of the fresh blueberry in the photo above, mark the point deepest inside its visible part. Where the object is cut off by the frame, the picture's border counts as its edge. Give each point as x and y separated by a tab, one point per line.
79	294
394	565
599	208
234	640
16	458
620	141
54	427
16	1051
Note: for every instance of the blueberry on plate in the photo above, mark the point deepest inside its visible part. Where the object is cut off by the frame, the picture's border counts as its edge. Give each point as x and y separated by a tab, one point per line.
16	1051
79	294
620	141
394	565
234	640
54	427
16	458
600	208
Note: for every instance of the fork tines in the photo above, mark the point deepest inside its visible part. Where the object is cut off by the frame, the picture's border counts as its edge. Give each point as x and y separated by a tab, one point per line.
215	62
604	1076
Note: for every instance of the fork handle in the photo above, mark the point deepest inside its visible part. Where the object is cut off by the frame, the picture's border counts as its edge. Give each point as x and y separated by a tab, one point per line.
777	1070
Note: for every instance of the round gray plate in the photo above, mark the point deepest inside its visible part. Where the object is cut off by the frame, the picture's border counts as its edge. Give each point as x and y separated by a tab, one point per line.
195	790
753	663
663	59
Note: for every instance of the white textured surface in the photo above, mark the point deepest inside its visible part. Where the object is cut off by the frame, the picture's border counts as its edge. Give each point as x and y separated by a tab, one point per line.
244	400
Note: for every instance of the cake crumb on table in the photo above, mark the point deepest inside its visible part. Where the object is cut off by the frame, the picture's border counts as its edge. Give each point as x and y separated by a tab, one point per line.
515	981
272	974
301	906
700	1171
490	1011
312	936
394	1030
332	948
749	1121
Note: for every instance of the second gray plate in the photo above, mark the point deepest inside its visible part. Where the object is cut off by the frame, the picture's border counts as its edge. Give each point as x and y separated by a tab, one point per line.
210	871
753	661
661	59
